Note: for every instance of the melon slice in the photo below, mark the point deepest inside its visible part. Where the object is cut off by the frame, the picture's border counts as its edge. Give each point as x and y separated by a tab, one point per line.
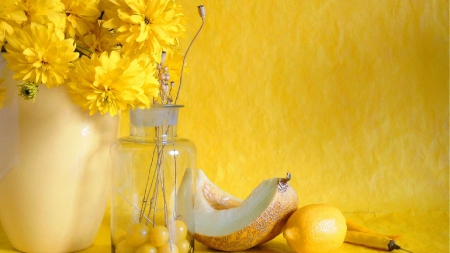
227	223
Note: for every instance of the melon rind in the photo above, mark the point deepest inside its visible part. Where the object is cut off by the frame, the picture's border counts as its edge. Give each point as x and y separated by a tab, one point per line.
259	218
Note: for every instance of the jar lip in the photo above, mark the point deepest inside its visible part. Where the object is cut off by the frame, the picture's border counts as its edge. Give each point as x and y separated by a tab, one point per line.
156	115
165	106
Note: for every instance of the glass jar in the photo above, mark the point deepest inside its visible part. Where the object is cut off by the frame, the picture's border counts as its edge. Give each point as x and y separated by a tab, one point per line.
152	201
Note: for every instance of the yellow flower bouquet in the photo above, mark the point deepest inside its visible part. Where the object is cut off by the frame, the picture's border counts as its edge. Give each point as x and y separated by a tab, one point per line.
109	53
103	56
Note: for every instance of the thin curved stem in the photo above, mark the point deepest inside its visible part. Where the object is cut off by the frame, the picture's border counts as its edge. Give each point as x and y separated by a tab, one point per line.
184	59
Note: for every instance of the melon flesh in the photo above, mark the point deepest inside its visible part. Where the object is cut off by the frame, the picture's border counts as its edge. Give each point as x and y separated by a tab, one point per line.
213	222
216	197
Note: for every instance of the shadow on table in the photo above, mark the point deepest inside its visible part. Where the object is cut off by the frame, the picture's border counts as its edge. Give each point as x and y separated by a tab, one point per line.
274	246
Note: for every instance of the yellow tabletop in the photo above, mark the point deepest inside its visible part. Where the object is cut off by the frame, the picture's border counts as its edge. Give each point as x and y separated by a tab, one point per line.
421	232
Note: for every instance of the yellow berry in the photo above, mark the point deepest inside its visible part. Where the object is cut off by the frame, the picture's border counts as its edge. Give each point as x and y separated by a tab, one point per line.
183	246
146	248
124	247
158	236
178	230
168	248
137	234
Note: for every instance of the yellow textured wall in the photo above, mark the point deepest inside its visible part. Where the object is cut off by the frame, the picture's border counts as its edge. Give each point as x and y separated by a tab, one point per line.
351	97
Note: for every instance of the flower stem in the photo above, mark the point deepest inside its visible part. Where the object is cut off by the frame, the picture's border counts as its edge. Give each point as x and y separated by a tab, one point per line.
202	15
80	49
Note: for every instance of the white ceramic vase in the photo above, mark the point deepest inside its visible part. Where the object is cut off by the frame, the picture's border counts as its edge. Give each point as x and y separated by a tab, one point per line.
54	170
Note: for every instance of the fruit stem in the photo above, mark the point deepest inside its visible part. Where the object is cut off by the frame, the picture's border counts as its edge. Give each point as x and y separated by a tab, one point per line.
392	245
285	180
283	183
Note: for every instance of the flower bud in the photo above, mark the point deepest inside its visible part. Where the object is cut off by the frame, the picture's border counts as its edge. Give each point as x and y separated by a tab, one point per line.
28	90
163	57
201	11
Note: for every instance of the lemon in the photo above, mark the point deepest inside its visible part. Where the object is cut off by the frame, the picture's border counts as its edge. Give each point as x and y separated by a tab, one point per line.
317	228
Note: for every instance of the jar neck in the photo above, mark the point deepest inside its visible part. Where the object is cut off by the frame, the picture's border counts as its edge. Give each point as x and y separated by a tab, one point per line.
158	122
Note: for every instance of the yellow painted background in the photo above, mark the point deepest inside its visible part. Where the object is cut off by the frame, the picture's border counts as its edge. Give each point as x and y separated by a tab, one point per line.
351	97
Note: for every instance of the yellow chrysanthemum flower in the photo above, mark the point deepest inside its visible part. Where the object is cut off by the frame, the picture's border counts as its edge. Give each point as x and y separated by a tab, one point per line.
109	83
151	83
37	55
106	6
2	93
81	16
46	12
147	26
12	14
98	41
